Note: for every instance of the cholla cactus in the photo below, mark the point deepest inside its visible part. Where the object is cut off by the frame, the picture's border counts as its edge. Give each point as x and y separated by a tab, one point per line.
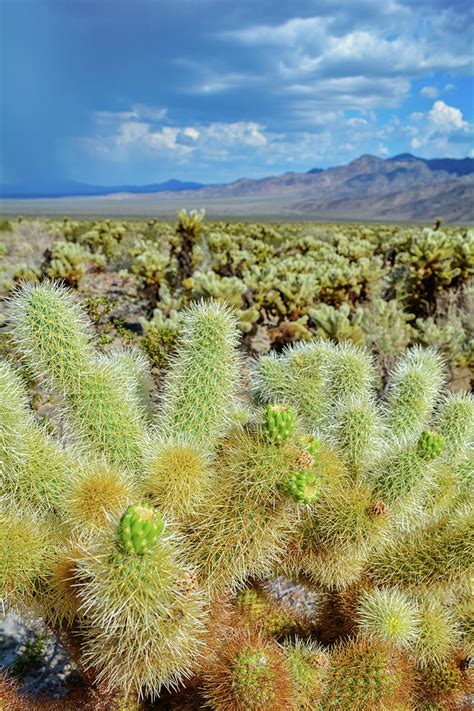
134	533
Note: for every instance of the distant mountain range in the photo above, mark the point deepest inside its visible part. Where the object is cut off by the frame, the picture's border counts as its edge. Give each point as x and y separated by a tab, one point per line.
72	189
401	188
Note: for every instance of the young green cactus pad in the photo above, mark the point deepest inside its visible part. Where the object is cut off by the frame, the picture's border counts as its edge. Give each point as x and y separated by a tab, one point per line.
279	422
310	443
151	539
140	527
303	486
430	445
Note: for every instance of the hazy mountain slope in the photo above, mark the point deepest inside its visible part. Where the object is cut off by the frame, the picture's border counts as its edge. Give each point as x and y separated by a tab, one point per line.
452	199
369	188
71	189
365	175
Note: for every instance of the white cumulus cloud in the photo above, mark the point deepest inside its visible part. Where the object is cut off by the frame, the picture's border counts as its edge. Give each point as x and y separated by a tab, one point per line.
437	129
446	119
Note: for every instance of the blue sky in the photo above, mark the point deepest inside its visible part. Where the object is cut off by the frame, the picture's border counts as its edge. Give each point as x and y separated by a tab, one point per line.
138	91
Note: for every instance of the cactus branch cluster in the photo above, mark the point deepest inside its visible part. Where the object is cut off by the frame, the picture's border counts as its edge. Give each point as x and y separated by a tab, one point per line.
146	537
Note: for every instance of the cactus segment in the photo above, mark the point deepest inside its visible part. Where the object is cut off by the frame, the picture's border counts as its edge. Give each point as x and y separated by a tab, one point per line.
390	615
251	678
310	443
303	486
279	422
430	445
140	527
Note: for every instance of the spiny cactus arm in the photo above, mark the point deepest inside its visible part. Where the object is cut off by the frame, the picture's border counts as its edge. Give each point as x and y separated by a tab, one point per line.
269	379
242	526
367	674
295	378
201	384
402	479
27	544
438	632
51	333
444	684
415	384
455	423
15	419
433	557
94	492
143	613
345	523
134	368
354	428
59	601
33	466
309	666
463	613
107	417
388	614
305	363
349	373
177	476
248	672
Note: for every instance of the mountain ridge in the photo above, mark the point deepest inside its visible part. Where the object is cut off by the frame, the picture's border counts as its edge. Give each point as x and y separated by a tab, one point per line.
453	166
399	188
73	189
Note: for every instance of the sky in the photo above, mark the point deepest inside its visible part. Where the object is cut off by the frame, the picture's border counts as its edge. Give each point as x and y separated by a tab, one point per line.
140	91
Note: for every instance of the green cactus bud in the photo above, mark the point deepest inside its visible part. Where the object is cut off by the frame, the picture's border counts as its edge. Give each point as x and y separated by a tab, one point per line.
279	422
140	527
303	486
430	445
310	443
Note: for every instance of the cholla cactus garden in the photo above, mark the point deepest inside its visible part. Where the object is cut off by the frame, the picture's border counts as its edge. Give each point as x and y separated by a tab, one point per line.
145	541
